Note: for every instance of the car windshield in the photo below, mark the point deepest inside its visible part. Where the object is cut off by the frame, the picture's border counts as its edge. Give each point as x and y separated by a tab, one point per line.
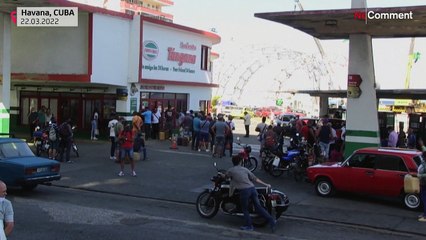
287	118
15	149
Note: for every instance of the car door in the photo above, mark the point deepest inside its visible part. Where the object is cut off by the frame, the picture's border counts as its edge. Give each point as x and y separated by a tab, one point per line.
359	171
389	175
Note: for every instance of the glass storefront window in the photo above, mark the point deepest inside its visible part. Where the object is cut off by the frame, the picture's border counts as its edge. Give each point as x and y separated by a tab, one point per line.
169	96
181	96
156	95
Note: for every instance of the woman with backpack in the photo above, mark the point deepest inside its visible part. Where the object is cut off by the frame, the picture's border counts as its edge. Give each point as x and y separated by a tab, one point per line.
126	140
95	131
53	138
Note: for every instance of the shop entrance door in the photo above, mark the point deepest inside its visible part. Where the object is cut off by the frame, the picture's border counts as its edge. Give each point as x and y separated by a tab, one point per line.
70	109
89	108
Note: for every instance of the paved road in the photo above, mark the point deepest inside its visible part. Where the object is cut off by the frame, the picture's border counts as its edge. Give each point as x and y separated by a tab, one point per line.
179	175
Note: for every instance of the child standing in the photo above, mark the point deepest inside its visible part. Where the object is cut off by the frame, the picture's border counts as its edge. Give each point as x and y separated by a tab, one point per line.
126	139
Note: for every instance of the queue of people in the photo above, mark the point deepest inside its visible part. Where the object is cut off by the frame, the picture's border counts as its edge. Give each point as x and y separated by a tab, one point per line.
59	137
327	141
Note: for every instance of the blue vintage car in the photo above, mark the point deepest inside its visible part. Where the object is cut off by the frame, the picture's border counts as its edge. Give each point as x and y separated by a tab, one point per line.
19	167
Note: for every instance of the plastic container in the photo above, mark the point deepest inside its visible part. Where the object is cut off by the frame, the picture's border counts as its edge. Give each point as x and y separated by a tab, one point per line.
411	184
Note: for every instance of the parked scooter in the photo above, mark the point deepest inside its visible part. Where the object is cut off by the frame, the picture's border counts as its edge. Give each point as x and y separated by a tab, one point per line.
211	200
249	161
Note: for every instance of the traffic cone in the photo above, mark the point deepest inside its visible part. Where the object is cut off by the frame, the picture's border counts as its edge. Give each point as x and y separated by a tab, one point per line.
174	143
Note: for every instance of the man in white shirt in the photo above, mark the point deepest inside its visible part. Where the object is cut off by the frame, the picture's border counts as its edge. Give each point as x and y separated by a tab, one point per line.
247	121
113	134
6	216
156	124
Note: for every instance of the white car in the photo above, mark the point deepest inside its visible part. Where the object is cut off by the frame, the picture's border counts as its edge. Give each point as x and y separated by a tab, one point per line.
284	119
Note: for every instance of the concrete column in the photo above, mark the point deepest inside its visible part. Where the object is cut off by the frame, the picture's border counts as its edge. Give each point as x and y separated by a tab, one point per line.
6	69
362	118
323	104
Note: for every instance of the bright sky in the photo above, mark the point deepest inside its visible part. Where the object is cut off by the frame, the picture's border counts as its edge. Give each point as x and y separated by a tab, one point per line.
243	37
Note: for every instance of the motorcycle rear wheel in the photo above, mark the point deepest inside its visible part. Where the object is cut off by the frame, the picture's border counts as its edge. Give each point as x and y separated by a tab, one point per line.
207	205
251	164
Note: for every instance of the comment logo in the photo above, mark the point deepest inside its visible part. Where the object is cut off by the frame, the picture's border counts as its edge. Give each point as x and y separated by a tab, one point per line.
13	16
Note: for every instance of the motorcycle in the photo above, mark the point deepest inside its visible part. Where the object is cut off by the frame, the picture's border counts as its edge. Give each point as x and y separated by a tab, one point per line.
267	157
249	161
211	200
294	161
41	141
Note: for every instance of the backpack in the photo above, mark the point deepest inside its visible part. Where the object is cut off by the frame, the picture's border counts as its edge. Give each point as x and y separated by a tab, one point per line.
63	130
52	134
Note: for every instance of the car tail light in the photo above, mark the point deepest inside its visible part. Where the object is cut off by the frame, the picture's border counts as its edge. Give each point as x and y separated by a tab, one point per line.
56	168
30	171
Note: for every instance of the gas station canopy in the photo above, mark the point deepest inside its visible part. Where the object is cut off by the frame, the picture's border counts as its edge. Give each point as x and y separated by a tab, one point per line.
339	24
418	94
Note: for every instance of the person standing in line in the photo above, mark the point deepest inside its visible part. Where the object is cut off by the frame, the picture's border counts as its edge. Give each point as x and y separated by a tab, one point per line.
66	135
229	137
324	135
147	120
42	117
411	139
48	117
126	138
6	210
261	128
247	122
33	121
136	123
170	116
402	138
94	121
421	174
53	138
212	121
113	134
195	143
422	146
242	179
204	134
156	123
120	128
186	124
393	137
219	129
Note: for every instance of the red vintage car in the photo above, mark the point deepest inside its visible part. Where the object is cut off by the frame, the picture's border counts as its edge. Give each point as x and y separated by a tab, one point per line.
371	171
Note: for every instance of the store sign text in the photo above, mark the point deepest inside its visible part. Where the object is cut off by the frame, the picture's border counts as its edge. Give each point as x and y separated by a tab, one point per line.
180	57
167	69
188	46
